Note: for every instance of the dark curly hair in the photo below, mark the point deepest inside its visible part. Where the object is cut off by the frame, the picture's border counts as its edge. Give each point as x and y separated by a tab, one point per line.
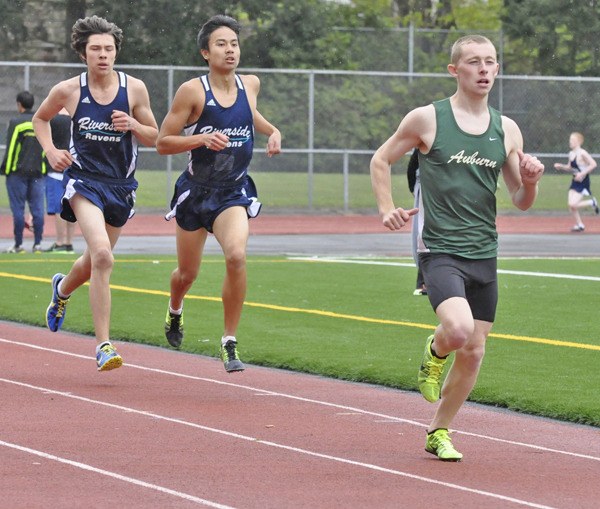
84	27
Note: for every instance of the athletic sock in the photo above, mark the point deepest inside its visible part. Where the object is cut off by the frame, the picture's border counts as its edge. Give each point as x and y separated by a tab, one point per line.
434	353
224	339
175	311
60	294
102	345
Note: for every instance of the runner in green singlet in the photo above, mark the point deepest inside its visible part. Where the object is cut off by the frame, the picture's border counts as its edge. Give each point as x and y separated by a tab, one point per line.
464	145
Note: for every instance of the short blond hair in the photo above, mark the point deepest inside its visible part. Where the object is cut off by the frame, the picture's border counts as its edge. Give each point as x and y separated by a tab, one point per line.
579	136
457	47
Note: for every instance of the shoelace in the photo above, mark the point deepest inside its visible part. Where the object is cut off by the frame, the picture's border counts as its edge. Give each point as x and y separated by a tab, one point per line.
231	351
60	307
107	349
175	321
442	440
434	371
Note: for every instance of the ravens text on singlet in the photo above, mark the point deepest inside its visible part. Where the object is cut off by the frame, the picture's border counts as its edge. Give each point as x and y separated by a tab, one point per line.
97	148
459	179
229	165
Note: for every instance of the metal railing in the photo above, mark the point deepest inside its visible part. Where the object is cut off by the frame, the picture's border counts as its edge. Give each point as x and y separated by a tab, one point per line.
332	121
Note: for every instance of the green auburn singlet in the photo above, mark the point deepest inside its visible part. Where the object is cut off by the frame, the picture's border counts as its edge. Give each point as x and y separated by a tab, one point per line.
459	178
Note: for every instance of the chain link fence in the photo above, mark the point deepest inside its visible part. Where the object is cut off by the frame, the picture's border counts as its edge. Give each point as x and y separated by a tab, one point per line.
332	121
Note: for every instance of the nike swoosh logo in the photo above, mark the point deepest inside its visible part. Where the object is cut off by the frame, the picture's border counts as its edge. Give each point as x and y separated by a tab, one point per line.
493	139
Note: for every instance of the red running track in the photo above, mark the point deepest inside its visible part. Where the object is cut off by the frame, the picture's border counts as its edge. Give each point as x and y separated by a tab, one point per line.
264	224
170	429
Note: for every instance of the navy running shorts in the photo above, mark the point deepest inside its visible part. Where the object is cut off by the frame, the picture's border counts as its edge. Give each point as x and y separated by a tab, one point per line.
54	194
454	276
581	187
115	198
196	205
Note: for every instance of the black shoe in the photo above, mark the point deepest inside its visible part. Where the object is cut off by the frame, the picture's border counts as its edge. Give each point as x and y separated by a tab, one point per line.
230	357
55	248
174	329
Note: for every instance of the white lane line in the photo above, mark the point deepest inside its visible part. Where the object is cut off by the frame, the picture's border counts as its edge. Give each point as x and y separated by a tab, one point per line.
265	392
391	418
114	475
259	441
326	259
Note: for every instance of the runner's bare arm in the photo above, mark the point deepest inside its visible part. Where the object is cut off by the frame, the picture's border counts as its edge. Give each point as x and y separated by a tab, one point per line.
521	172
410	134
186	109
140	121
63	95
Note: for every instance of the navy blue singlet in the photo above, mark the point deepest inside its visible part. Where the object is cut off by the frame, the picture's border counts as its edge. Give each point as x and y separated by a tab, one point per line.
97	148
229	165
584	184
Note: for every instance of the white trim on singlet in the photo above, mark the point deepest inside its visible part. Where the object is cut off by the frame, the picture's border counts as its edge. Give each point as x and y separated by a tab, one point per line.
204	80
121	74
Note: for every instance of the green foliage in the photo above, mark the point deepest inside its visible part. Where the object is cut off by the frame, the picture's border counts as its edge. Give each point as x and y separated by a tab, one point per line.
477	14
552	37
12	28
283	101
363	106
367	13
295	33
157	32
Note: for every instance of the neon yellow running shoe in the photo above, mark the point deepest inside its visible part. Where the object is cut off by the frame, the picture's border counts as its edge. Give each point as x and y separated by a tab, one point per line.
440	444
430	374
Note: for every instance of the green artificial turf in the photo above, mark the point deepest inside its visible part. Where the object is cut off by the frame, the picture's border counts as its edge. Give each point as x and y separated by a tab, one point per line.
353	321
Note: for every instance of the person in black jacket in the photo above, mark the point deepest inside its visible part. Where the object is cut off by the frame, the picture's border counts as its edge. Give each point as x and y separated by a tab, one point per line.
24	167
414	186
61	137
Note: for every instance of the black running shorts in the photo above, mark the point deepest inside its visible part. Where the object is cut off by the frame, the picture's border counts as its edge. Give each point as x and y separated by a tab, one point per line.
449	276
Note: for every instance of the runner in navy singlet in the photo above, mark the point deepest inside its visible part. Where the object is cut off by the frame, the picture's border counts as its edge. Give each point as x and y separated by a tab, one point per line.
110	114
581	164
217	115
